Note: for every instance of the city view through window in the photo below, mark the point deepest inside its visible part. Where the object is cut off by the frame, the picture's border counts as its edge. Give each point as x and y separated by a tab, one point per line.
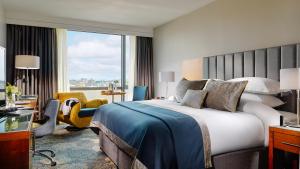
94	61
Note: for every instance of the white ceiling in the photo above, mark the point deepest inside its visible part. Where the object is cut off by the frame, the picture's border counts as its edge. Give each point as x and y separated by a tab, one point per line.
145	13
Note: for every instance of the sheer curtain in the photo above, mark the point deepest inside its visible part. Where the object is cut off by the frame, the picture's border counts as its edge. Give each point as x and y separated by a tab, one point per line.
62	61
131	65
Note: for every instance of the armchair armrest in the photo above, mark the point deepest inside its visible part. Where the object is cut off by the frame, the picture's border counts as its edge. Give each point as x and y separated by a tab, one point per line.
74	111
96	103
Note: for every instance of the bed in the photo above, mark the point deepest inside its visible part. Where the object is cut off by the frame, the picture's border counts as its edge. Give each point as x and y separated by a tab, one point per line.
238	140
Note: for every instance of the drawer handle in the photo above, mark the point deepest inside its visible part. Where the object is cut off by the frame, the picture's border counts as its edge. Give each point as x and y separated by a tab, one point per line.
294	145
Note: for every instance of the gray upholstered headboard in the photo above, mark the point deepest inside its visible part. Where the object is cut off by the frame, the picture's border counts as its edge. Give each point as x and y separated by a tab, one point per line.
265	62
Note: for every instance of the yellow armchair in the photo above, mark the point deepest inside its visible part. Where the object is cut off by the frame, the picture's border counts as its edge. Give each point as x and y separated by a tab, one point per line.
95	103
75	118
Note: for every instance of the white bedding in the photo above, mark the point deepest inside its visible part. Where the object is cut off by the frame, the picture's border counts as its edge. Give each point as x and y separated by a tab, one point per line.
230	131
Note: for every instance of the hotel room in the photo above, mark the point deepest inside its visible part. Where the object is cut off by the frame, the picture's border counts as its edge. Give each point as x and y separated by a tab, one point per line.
159	84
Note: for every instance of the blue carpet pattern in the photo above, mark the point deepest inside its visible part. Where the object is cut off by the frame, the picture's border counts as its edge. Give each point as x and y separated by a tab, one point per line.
73	149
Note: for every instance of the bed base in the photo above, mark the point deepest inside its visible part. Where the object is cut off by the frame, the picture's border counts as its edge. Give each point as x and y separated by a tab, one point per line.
254	158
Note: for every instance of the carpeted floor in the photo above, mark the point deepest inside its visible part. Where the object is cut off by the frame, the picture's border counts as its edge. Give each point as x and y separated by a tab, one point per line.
73	149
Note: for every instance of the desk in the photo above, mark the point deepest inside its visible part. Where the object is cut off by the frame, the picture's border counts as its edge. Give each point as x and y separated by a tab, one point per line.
15	140
112	93
28	102
283	138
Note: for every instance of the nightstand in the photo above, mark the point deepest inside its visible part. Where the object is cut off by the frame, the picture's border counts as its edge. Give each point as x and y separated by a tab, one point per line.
283	138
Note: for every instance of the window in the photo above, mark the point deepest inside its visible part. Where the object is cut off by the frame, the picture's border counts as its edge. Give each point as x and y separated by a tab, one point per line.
94	61
2	73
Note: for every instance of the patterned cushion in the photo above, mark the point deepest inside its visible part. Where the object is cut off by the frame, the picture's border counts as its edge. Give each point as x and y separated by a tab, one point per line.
194	98
224	95
185	84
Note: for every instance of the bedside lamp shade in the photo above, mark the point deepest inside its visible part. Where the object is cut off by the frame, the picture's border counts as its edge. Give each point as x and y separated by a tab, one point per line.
290	79
27	62
166	76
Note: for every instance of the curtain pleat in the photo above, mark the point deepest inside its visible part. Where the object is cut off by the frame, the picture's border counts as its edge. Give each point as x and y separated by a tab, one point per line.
39	41
62	60
144	64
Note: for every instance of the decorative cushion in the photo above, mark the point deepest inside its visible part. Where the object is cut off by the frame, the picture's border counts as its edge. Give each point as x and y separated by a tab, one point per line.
185	84
223	95
194	98
268	100
86	112
68	104
260	85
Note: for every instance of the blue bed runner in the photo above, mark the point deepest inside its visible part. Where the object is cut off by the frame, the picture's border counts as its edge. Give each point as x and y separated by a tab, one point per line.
164	139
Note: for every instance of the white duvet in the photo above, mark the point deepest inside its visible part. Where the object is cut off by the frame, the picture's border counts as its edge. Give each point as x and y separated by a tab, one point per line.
247	128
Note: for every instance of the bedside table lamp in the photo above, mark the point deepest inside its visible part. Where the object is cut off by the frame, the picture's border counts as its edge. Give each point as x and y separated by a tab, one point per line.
290	80
166	77
27	62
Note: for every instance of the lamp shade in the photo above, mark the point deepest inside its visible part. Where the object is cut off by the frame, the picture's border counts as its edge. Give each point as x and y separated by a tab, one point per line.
290	79
27	62
167	76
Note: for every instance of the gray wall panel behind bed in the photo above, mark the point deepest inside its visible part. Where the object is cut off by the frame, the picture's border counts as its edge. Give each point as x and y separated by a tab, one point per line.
265	62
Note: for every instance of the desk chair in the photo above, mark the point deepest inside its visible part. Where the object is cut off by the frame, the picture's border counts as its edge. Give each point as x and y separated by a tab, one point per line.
46	129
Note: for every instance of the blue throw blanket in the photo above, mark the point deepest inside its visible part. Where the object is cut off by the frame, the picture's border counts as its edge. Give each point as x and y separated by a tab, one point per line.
164	139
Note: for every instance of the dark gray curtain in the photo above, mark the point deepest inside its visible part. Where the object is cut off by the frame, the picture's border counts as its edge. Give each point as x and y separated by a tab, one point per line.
144	63
29	40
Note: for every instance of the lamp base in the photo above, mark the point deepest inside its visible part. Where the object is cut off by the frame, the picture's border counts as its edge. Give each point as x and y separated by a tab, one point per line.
294	125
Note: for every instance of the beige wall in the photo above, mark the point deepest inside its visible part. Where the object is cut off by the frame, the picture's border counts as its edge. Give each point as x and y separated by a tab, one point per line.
2	26
224	26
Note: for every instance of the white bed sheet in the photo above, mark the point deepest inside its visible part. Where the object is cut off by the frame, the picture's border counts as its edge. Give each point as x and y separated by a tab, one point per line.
228	131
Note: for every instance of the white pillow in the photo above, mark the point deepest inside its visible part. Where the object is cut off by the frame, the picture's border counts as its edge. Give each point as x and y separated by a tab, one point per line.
268	100
260	85
268	115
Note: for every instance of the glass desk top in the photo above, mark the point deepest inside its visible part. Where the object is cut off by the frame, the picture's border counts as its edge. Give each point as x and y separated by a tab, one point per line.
16	123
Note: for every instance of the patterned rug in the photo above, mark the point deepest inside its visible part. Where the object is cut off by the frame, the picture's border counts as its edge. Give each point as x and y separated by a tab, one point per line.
73	149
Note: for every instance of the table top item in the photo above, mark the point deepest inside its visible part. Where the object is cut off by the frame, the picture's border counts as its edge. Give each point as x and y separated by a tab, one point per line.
111	92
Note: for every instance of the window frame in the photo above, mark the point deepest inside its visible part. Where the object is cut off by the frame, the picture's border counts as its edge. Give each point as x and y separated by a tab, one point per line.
123	86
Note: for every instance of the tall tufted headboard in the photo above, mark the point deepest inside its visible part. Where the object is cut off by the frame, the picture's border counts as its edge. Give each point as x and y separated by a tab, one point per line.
265	62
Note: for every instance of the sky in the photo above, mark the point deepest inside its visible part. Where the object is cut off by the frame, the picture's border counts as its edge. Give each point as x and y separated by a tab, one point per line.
94	56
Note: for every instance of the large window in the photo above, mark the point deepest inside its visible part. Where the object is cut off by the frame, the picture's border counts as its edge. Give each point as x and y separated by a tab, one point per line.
94	61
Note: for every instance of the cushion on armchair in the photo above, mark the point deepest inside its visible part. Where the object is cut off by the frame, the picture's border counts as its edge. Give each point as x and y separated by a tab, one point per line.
68	104
86	112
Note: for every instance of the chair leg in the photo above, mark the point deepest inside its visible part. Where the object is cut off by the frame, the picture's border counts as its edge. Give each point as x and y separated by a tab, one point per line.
37	153
50	151
95	130
73	128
